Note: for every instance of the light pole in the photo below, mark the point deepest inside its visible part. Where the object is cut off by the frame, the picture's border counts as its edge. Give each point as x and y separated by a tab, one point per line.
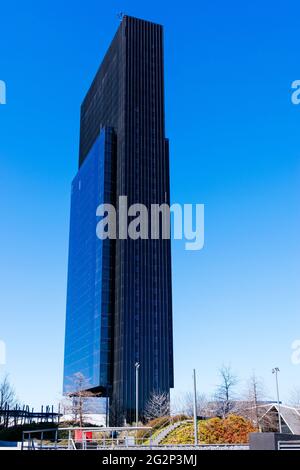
195	409
275	371
137	366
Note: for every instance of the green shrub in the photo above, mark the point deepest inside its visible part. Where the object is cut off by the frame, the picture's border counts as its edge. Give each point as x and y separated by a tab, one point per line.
231	430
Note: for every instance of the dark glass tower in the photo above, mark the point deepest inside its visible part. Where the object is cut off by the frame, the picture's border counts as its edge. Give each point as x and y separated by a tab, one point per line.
119	303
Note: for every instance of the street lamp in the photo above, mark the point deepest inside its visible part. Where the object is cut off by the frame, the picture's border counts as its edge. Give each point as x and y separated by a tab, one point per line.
137	366
275	371
195	410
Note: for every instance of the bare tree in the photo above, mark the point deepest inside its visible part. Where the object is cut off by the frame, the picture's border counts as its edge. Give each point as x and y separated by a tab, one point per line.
252	399
268	418
7	394
185	405
79	400
157	406
225	395
8	399
294	399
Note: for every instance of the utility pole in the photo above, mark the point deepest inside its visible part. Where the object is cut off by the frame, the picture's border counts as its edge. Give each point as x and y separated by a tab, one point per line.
107	408
195	410
275	371
137	366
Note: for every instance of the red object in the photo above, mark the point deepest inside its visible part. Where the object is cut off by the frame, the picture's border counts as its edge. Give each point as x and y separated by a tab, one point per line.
81	435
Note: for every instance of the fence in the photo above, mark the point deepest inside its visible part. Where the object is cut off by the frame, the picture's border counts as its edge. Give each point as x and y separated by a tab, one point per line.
18	416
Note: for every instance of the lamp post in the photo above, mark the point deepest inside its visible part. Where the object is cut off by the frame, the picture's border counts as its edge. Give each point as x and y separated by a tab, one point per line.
275	371
195	409
137	366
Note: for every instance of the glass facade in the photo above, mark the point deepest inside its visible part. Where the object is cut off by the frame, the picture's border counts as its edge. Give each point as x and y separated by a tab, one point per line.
89	321
119	307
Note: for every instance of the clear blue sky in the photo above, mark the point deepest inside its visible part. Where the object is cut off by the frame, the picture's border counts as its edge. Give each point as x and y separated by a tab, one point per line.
235	146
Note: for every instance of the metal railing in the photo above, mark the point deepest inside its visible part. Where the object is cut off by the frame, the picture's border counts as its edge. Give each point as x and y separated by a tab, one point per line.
289	445
91	438
86	438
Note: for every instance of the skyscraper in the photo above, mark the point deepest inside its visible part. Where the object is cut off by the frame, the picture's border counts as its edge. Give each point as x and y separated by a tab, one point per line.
119	301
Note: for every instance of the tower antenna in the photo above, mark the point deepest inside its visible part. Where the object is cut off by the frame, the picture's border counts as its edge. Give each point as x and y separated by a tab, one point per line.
120	15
